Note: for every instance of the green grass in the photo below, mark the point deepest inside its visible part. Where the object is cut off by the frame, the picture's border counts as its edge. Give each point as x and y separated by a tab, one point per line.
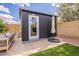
62	50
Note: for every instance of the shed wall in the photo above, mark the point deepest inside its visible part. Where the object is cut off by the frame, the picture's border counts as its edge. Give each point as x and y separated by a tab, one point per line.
44	25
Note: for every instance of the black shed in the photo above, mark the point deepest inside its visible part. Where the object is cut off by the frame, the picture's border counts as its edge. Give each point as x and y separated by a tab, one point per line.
37	25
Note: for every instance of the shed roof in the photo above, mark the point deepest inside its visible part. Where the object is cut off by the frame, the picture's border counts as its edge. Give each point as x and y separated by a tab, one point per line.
39	12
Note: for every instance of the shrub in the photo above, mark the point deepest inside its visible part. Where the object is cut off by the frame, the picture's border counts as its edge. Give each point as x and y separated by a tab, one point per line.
2	26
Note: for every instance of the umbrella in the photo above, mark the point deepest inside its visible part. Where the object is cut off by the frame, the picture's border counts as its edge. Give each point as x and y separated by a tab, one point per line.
53	30
53	25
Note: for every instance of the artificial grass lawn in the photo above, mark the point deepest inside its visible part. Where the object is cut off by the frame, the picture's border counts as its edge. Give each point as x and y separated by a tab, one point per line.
62	50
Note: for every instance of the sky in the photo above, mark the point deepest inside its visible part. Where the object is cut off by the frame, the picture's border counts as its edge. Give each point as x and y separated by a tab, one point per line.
11	10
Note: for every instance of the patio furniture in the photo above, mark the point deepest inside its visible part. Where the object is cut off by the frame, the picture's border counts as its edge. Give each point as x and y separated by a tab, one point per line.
53	30
18	35
53	39
6	41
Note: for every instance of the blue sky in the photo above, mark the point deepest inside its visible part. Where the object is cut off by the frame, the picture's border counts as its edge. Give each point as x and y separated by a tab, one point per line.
13	9
43	7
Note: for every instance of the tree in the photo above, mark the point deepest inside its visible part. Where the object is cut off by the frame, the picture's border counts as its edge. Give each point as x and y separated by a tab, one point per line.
69	12
2	26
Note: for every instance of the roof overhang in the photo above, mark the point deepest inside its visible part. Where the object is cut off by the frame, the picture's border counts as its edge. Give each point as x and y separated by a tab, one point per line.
33	11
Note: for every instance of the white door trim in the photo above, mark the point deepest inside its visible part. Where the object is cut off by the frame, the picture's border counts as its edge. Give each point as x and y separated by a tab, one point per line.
31	38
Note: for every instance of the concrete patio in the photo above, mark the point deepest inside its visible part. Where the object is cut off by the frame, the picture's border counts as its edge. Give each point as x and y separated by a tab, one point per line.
73	41
27	48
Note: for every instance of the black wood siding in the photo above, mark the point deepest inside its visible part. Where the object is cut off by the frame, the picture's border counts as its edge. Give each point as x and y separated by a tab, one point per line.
44	25
24	26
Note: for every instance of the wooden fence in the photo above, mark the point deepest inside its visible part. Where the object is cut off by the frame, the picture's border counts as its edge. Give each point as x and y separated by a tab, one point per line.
68	29
14	28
